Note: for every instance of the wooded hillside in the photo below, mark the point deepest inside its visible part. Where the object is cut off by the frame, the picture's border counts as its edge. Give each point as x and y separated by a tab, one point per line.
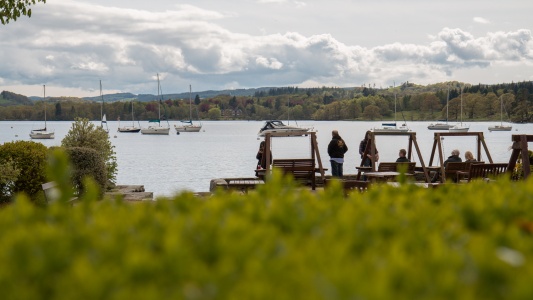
413	103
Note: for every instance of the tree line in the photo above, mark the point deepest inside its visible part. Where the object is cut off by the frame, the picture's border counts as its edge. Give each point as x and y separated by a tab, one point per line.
413	103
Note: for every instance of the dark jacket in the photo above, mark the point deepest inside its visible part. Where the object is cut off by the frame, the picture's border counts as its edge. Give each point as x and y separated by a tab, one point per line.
402	159
453	158
336	148
260	161
362	147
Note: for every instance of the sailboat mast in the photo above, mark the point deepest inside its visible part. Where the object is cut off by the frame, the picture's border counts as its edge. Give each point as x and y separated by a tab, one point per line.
447	99
102	105
501	110
158	97
190	103
461	105
44	101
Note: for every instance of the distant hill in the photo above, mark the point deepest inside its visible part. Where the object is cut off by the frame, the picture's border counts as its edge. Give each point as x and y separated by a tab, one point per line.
150	97
9	98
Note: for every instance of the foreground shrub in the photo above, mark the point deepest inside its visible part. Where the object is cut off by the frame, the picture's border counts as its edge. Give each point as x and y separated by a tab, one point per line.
29	159
471	241
87	162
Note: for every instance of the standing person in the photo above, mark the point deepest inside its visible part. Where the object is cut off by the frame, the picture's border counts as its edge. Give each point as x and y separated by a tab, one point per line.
402	157
261	158
367	161
336	149
469	157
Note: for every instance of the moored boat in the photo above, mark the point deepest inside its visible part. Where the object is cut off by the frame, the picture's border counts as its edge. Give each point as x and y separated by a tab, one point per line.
43	133
278	128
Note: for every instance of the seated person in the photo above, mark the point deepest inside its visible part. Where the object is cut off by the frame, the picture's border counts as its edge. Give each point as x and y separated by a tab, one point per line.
453	158
469	157
402	157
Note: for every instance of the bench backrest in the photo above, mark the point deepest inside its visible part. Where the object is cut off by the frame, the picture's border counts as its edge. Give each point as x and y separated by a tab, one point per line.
409	167
486	170
302	169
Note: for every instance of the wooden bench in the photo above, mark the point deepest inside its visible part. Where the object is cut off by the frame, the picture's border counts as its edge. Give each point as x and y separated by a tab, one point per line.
301	169
408	167
484	171
52	193
455	170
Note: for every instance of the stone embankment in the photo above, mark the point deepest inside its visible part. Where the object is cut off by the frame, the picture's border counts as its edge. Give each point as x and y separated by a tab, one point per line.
131	193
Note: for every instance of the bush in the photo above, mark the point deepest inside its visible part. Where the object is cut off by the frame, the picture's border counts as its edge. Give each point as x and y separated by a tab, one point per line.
87	162
85	134
8	176
471	241
29	158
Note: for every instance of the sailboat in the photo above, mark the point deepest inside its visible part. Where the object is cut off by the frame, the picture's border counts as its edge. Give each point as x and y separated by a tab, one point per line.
501	127
188	126
460	127
442	126
42	133
392	127
131	128
154	126
102	115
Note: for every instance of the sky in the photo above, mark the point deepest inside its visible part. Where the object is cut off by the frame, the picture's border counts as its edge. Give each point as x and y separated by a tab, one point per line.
70	46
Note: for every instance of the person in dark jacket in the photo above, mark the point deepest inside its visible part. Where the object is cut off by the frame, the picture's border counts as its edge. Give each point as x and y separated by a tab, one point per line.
261	161
454	157
402	157
336	149
367	162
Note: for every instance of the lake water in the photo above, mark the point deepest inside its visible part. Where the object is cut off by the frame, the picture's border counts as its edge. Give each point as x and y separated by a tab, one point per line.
169	164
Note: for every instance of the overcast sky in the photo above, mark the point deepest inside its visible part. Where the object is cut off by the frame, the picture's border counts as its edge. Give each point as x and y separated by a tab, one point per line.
212	45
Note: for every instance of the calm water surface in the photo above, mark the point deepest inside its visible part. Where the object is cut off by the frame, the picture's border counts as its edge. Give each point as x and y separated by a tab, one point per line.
169	164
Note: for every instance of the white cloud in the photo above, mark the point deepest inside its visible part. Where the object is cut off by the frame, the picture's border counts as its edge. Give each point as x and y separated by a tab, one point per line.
481	20
127	47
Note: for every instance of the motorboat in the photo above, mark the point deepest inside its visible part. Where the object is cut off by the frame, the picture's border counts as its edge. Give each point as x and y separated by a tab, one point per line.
278	128
439	126
392	127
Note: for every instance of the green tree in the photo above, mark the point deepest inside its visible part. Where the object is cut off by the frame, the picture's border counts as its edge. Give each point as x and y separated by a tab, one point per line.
372	112
85	134
13	9
214	113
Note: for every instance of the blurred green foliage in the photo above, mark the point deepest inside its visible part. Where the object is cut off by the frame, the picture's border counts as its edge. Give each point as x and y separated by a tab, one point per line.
87	162
471	241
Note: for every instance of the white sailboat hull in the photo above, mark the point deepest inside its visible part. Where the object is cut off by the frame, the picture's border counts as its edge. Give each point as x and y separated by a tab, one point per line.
459	129
42	135
131	129
156	130
188	128
500	128
391	129
439	126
